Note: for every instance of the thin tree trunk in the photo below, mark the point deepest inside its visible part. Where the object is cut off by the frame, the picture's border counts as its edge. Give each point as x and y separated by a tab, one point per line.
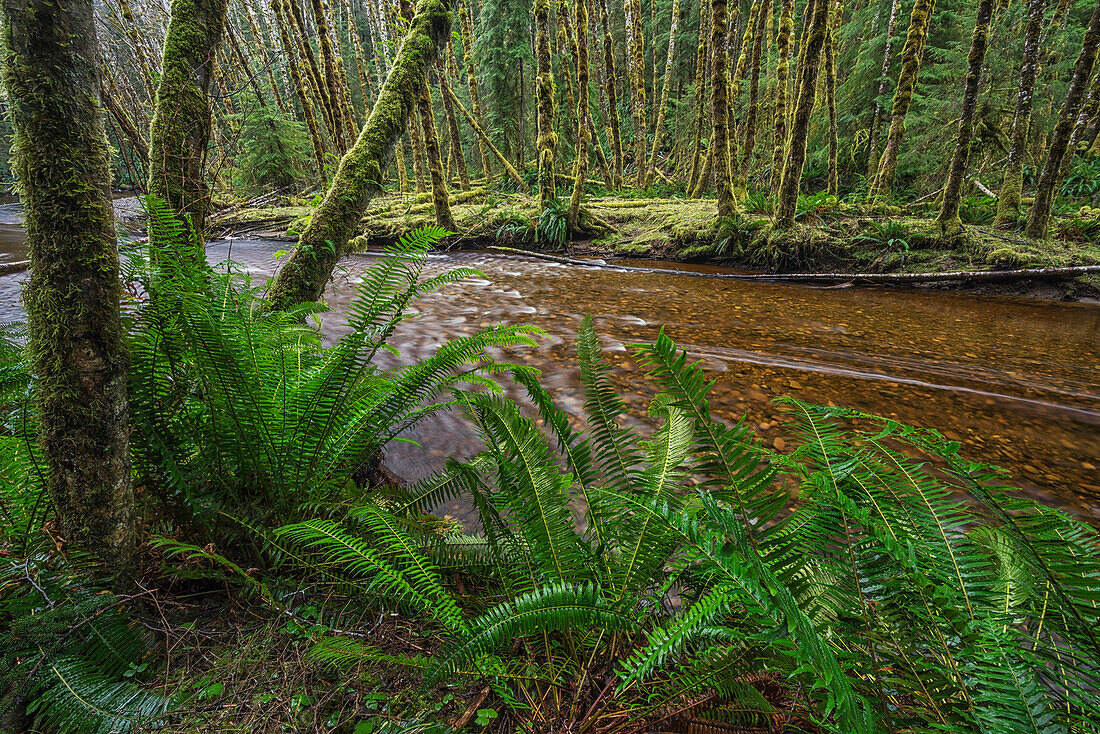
544	97
740	184
782	75
700	96
787	200
636	45
484	137
610	84
584	122
471	82
658	127
77	351
1049	180
331	74
308	59
129	128
830	99
358	178
883	83
131	28
441	198
903	97
182	121
452	128
300	89
949	220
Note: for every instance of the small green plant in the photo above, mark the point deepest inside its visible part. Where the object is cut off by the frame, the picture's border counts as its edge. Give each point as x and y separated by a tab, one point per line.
515	227
553	228
890	236
732	231
816	208
1084	180
979	210
758	202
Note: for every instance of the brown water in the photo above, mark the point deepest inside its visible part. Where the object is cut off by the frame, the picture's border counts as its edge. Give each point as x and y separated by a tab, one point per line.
1016	380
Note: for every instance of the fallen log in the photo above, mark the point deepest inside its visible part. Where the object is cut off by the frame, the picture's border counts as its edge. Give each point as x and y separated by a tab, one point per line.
980	275
15	267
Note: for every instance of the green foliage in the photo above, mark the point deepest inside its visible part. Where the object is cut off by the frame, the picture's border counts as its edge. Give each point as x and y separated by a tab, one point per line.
966	616
890	236
979	210
1083	180
553	226
816	208
733	231
240	411
758	202
274	149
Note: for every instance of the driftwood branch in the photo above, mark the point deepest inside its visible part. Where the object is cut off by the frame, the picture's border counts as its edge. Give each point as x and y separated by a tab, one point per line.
981	275
15	267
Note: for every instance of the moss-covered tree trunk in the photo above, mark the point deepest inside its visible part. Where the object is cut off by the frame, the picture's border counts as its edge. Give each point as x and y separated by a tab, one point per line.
1050	179
300	89
484	138
547	140
308	60
662	106
78	358
883	84
783	37
740	184
903	97
453	132
830	97
636	65
129	128
610	85
441	197
949	220
181	120
700	95
1012	184
719	111
358	177
787	199
332	76
471	82
584	123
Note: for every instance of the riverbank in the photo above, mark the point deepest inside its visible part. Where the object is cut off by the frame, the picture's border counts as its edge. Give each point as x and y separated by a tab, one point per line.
829	236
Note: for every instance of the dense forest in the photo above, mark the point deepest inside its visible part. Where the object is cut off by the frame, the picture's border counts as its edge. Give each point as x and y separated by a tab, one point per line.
239	280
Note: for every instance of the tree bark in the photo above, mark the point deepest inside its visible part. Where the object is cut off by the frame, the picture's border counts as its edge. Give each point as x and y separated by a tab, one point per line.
484	137
700	96
787	200
883	82
719	110
1012	185
903	97
580	164
949	220
611	81
783	39
658	127
471	82
453	131
833	185
61	161
636	45
441	197
740	184
182	121
1050	179
299	88
358	178
547	141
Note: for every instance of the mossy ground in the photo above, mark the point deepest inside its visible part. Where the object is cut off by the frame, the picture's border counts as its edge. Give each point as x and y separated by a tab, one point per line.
827	238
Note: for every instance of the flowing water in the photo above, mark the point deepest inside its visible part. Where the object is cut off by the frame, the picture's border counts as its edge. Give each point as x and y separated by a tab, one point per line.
1016	380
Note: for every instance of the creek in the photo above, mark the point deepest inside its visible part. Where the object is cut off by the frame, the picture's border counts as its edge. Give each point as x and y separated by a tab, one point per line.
1015	380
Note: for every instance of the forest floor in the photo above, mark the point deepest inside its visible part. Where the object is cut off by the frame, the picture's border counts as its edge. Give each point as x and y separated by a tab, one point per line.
828	237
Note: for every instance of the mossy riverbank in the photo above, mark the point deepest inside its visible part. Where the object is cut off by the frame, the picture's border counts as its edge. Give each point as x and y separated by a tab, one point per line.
828	236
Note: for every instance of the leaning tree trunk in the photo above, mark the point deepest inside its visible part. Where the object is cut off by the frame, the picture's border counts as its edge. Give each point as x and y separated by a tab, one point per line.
903	97
883	82
783	39
1039	219
300	88
547	140
787	200
450	71
949	220
719	110
580	165
308	60
484	138
182	121
358	179
332	76
1012	185
658	127
471	82
61	160
614	136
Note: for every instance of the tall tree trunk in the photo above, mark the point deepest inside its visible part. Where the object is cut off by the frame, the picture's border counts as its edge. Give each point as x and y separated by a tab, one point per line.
1049	180
883	83
787	200
783	40
471	82
719	110
181	120
949	220
331	74
659	125
484	138
308	60
358	178
580	164
300	89
830	98
740	184
263	39
637	80
441	198
701	56
1012	185
903	97
610	84
544	97
130	25
452	126
61	161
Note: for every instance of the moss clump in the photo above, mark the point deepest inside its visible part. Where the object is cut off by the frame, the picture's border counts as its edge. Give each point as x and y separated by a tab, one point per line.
633	249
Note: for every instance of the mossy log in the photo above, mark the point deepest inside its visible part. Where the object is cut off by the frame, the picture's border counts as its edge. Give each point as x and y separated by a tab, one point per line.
77	349
358	178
